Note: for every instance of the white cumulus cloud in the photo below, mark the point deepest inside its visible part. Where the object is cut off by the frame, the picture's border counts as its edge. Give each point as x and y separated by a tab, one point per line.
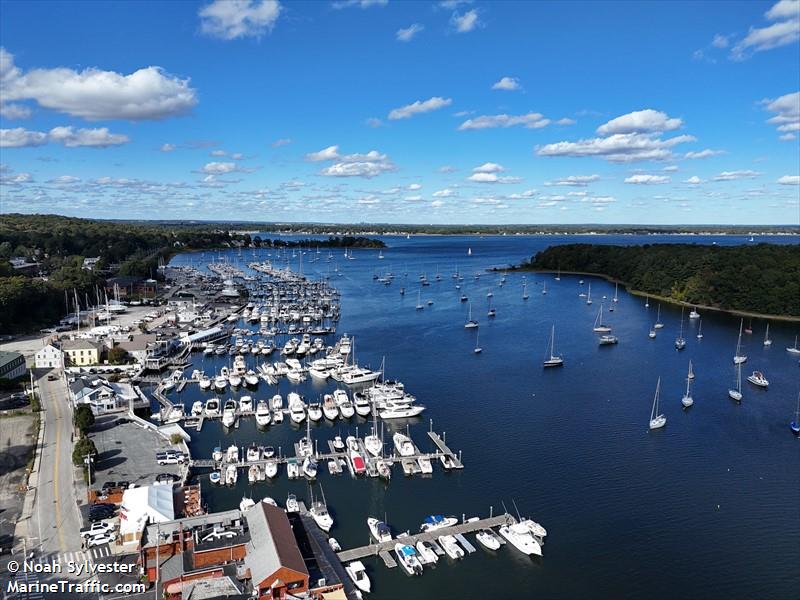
529	121
419	107
640	121
445	193
574	180
464	23
367	165
732	175
703	153
789	180
408	33
66	136
621	147
642	179
507	83
232	19
787	114
785	31
329	153
694	180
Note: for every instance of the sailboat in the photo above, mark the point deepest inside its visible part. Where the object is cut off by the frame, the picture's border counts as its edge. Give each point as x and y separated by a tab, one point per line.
687	399
419	300
767	341
658	324
680	343
737	393
478	348
598	323
551	359
544	289
795	425
700	330
471	323
589	294
652	334
615	299
657	421
469	251
558	275
793	349
492	312
524	290
739	358
647	301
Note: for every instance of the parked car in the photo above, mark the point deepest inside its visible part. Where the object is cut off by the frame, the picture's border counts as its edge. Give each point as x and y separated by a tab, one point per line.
96	529
170	458
123	484
51	377
108	486
163	478
100	539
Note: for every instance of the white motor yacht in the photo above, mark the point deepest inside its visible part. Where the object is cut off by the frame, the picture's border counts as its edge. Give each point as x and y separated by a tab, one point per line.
425	466
535	528
434	522
407	557
362	404
205	382
757	378
246	404
232	453
314	411
229	413
521	537
271	468
450	546
220	381
292	505
253	453
197	408
262	413
427	555
358	574
251	378
329	407
343	404
318	374
401	412
403	444
297	408
319	512
309	468
231	475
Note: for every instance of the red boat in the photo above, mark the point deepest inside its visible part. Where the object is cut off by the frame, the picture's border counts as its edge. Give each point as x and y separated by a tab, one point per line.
358	462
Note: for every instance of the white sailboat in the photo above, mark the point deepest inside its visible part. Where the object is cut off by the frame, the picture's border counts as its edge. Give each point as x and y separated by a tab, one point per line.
616	299
544	288
767	341
589	294
793	349
657	420
680	343
658	324
687	399
739	358
478	348
647	301
525	290
551	359
598	323
419	300
471	323
700	330
737	393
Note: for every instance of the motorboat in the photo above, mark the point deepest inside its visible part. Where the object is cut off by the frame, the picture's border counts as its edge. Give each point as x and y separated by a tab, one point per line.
292	468
757	378
318	374
384	469
271	468
379	530
229	413
292	505
262	413
535	528
334	544
197	408
217	454
606	340
246	404
329	408
220	381
253	453
270	501
362	404
360	375
488	539
250	378
401	412
211	407
319	512
214	477
357	461
343	404
231	475
521	537
403	444
310	468
205	382
235	380
358	574
450	546
253	474
434	522
314	411
427	555
407	557
373	445
425	466
297	409
232	453
338	444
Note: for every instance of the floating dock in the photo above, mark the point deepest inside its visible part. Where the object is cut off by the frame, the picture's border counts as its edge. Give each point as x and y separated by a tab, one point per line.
386	549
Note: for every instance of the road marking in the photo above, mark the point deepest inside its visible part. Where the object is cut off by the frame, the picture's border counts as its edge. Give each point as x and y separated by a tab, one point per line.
55	472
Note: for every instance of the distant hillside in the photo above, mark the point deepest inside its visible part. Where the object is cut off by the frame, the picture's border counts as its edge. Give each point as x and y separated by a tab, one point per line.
763	278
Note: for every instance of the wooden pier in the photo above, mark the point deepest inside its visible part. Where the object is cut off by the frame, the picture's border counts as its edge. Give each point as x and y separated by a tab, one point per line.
443	449
386	549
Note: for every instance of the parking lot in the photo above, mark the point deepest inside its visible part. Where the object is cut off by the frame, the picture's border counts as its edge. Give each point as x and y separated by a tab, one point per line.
127	452
16	447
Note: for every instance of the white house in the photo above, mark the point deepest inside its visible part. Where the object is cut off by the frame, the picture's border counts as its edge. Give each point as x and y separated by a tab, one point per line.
48	357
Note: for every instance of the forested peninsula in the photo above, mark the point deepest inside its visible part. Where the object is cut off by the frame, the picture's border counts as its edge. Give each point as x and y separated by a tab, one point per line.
761	279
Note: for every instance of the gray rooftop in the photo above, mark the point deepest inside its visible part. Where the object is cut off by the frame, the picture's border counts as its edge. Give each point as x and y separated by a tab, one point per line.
272	544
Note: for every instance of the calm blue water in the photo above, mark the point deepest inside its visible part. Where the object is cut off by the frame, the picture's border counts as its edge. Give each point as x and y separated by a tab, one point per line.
708	507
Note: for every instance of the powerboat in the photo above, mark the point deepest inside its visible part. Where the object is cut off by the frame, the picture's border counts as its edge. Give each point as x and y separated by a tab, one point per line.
488	539
251	379
521	537
232	453
427	555
357	461
329	407
535	528
246	404
403	444
323	519
314	411
309	468
292	468
358	574
338	444
608	339
401	412
407	556
425	466
334	544
362	404
253	453
379	530
197	408
216	454
229	413
292	505
297	409
344	404
205	382
757	378
220	381
262	413
211	407
231	475
271	468
450	546
434	522
214	477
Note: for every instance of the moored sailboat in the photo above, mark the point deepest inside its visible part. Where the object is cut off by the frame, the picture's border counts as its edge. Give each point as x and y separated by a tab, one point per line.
551	358
657	420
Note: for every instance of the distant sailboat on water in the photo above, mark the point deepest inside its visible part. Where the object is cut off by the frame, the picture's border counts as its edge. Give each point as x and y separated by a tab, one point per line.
469	251
767	341
700	330
658	324
687	399
739	358
736	394
657	420
551	359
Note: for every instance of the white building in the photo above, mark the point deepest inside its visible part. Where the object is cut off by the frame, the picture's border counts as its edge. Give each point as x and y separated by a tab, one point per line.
143	505
48	357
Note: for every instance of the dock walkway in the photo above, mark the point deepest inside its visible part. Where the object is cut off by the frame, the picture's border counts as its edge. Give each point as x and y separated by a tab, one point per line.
386	549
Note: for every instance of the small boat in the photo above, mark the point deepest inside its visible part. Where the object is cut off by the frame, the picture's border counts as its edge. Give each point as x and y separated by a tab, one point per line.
334	544
217	454
525	290
736	394
680	343
357	461
319	512
615	299
270	501
450	546
434	522
358	574
419	300
373	444
262	413
297	409
229	413
343	404
403	444
362	404
292	505
657	420
197	408
471	323
310	468
211	407
407	557
520	536
793	349
598	323
379	530
231	475
488	539
271	469
589	294
757	378
652	334
427	555
658	324
739	358
253	453
246	504
795	425
550	358
694	314
338	444
606	340
767	341
700	330
329	408
246	404
401	412
687	399
292	468
205	382
215	477
477	349
314	411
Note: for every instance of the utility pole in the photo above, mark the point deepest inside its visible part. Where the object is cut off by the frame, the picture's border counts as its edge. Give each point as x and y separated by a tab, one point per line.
88	459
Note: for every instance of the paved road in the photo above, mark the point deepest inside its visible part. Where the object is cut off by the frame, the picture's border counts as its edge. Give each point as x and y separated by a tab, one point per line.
56	520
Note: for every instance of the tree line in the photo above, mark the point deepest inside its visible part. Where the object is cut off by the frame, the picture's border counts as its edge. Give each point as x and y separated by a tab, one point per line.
762	278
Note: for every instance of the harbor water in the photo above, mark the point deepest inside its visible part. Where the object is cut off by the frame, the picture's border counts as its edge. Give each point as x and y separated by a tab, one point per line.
707	507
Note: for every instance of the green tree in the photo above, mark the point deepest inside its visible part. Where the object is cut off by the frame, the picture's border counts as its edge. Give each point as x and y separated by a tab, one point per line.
83	447
84	418
117	355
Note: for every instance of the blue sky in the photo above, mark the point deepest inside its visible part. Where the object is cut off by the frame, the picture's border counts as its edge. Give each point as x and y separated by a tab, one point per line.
403	112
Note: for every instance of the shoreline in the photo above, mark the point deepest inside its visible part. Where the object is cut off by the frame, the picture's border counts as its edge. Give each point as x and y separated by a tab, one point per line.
633	292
